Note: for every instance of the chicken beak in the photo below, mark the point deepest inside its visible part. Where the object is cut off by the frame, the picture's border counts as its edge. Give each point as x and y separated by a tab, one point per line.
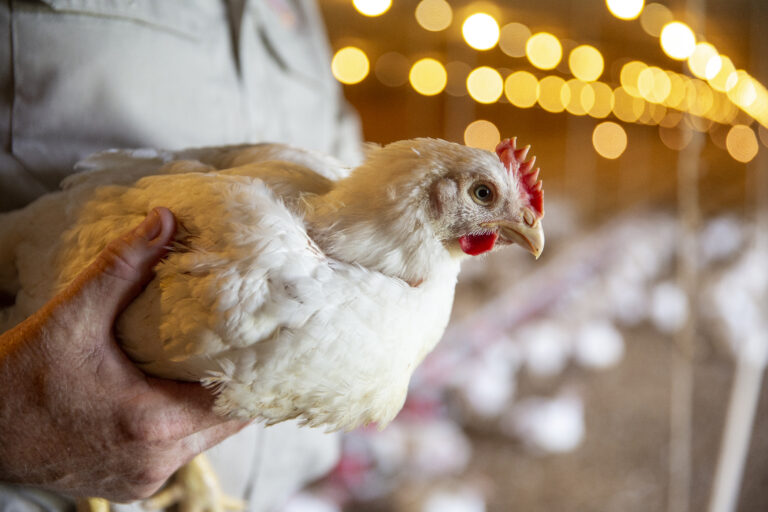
530	238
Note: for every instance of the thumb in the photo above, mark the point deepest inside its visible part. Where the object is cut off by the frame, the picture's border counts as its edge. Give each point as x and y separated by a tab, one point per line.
121	270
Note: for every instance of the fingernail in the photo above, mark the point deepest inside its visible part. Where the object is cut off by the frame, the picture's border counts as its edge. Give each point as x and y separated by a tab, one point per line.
151	227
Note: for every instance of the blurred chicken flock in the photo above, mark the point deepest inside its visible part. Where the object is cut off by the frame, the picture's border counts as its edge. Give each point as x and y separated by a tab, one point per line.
621	371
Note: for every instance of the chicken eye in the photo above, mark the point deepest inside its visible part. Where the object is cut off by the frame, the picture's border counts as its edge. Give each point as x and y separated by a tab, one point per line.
482	194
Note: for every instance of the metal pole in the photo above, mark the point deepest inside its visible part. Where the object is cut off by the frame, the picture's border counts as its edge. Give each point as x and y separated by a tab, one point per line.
682	368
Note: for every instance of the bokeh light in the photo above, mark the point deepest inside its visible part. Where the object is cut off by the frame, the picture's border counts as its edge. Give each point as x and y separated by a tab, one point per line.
482	134
428	77
763	133
372	7
704	62
653	84
458	72
513	38
626	107
434	15
743	92
392	69
603	103
676	137
586	63
625	9
609	140
551	95
544	50
654	17
577	97
677	90
720	81
521	89
630	74
677	40
485	85
481	31
741	143
350	65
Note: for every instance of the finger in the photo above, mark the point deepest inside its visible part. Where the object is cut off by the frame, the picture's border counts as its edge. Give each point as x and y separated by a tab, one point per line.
186	407
201	441
122	269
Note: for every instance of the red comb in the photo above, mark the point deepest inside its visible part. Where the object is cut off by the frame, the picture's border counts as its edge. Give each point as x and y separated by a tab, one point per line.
513	159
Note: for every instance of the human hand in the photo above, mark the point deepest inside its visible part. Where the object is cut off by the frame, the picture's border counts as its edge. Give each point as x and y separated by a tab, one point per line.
76	416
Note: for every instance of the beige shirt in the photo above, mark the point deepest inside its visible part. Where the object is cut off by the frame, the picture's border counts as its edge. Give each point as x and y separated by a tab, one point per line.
78	76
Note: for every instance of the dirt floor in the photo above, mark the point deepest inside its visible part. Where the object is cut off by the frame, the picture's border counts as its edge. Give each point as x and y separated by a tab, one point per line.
623	464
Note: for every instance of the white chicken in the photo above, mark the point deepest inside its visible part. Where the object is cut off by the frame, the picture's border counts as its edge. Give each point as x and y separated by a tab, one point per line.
296	288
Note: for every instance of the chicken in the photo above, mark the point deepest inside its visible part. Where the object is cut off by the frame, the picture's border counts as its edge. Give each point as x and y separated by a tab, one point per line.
296	288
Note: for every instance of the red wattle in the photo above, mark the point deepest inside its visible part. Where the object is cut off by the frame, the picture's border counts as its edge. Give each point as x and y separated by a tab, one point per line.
478	244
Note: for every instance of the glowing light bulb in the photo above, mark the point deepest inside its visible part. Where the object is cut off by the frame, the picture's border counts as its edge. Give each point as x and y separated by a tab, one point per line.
552	98
485	85
609	140
372	7
654	17
521	89
741	143
677	40
625	9
512	39
480	31
482	134
434	15
350	65
586	63
544	50
699	60
428	77
603	104
630	75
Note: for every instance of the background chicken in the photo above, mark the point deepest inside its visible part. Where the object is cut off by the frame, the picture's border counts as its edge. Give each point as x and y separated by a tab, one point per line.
296	289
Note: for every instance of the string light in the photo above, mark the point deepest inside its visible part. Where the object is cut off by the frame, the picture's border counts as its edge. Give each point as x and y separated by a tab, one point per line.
654	17
720	81
482	134
676	137
741	143
392	69
434	15
552	98
481	31
609	140
577	97
626	107
630	73
485	85
372	7
586	63
625	9
544	50
704	62
428	77
603	104
350	65
677	40
513	38
521	89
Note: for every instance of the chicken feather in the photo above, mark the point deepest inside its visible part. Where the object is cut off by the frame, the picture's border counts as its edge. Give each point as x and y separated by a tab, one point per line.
295	289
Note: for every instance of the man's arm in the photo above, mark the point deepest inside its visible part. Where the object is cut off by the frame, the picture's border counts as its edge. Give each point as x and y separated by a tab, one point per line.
76	416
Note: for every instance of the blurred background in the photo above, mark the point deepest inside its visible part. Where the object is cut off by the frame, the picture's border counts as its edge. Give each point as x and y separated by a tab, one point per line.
623	370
